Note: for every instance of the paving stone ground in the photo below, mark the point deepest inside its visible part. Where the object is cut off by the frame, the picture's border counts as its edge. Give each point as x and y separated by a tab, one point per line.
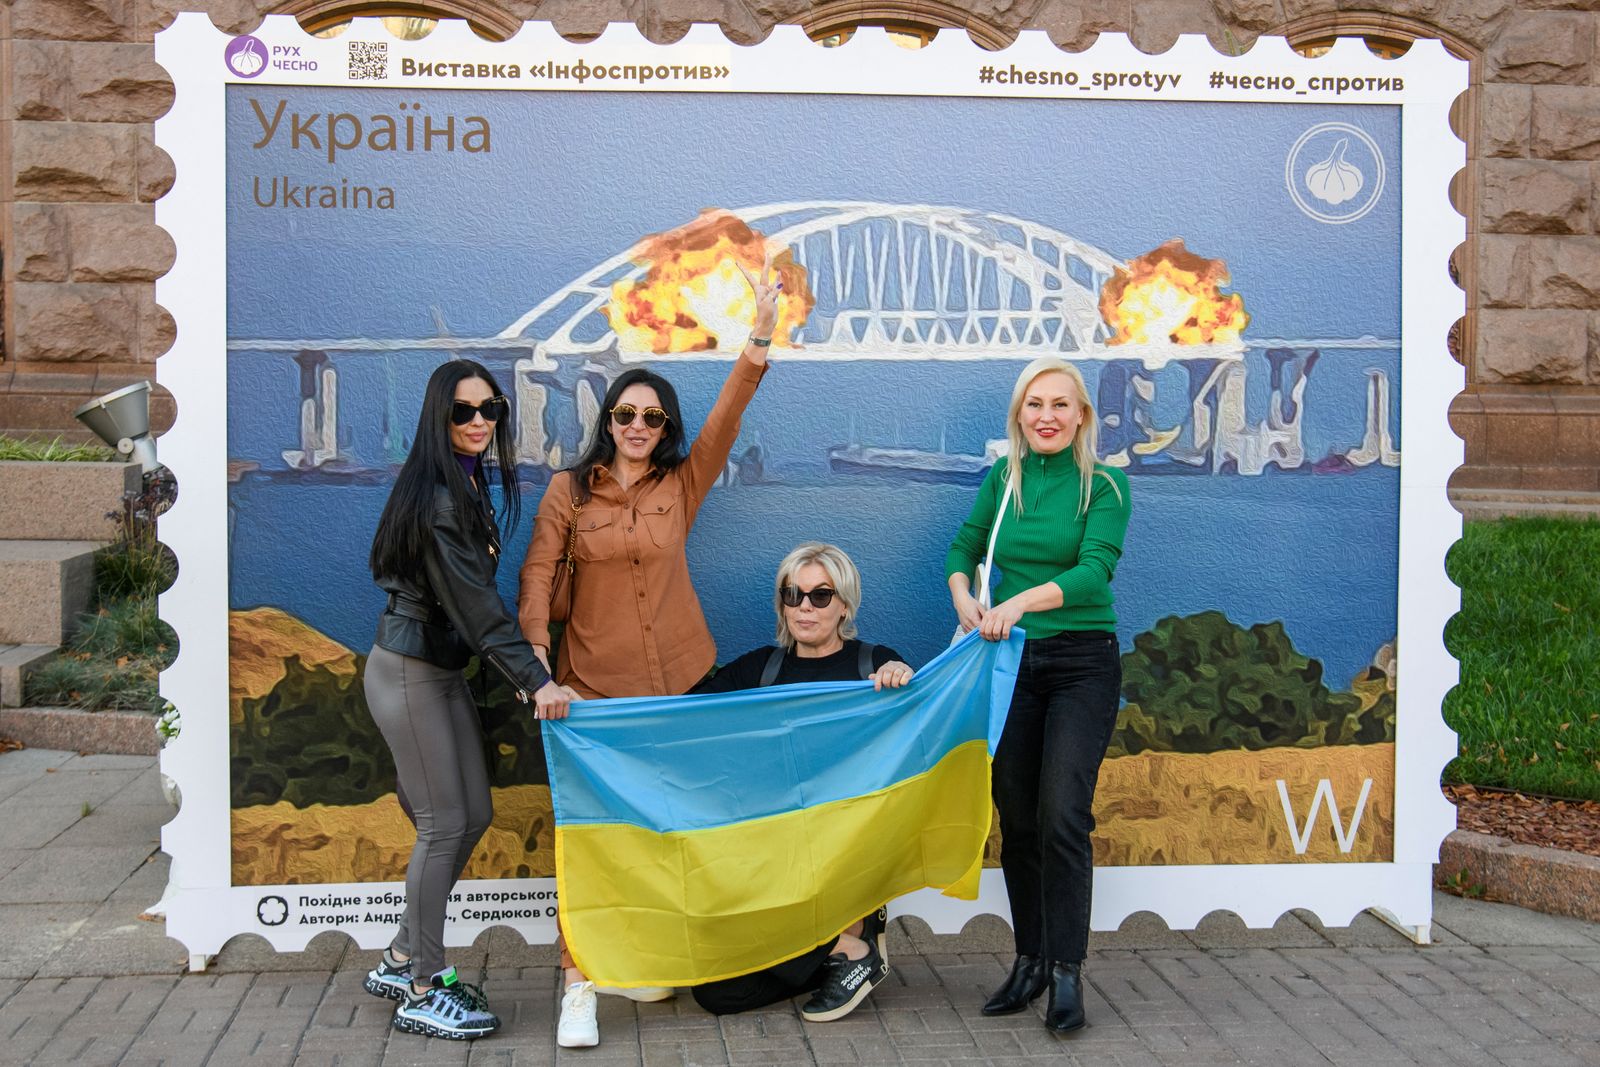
84	980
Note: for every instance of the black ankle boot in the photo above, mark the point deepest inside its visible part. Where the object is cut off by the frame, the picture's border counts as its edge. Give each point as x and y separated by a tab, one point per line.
1029	976
1066	998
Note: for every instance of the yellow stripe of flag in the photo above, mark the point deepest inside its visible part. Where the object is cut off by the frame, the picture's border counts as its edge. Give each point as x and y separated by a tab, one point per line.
686	907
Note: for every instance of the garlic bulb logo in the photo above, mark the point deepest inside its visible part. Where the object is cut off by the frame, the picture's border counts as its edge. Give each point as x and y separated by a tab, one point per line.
1335	172
249	60
245	56
1335	180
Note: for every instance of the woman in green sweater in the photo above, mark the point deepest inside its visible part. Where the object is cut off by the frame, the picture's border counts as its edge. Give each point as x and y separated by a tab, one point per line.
1059	538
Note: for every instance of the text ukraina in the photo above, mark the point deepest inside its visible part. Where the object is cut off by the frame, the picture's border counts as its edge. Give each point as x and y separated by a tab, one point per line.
281	192
412	130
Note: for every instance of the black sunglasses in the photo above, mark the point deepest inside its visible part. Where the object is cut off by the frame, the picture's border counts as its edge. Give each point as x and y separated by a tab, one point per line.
820	597
623	415
492	410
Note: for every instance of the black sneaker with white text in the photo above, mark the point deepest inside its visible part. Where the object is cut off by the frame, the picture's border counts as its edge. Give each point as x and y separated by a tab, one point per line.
845	984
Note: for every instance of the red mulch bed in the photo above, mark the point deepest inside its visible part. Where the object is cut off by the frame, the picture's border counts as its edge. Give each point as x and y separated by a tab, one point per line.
1573	825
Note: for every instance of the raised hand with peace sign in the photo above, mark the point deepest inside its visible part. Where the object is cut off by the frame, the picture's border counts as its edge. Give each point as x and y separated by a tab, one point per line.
767	289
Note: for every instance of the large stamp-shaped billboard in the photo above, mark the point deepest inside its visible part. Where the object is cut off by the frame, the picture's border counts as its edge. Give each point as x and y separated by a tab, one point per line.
1245	255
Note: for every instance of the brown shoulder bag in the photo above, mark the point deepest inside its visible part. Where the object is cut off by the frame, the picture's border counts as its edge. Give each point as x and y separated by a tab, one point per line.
561	581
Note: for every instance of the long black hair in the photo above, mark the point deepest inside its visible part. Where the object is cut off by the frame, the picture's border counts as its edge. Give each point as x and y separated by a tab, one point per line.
669	451
405	531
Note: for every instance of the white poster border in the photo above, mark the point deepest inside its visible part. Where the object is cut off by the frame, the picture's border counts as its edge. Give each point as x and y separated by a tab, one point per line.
204	910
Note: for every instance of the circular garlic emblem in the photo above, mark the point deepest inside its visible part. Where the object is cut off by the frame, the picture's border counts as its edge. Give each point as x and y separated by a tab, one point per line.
1335	180
249	60
1334	172
245	56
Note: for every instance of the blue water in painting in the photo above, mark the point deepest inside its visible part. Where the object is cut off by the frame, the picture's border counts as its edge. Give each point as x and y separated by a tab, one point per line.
573	179
1253	553
1318	552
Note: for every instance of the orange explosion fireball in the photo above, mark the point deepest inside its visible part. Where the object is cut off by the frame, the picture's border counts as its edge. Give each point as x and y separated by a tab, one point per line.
693	297
1172	295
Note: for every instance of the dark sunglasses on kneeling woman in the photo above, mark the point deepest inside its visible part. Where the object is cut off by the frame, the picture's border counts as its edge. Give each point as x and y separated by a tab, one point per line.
792	595
492	410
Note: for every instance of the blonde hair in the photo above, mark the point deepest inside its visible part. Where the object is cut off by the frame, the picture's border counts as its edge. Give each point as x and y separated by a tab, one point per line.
1085	443
842	573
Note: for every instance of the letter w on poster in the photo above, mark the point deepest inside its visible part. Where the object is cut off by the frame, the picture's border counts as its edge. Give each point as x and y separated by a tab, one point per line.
703	837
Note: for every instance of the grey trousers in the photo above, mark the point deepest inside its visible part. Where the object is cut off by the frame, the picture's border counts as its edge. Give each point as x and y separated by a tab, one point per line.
431	724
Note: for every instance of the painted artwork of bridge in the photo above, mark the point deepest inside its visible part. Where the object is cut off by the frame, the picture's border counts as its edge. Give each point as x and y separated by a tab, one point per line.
892	283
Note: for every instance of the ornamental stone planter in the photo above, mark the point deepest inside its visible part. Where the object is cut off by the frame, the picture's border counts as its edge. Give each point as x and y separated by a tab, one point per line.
1550	880
69	729
53	517
44	587
63	501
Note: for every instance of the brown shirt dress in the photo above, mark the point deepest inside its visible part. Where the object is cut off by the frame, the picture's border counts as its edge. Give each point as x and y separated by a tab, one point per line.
636	627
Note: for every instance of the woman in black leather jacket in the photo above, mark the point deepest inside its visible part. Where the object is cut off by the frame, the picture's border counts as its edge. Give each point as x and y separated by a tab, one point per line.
435	554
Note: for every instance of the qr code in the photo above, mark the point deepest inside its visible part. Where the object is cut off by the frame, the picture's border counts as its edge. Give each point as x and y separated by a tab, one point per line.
369	60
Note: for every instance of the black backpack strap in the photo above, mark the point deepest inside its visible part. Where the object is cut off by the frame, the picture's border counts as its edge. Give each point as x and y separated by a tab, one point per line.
864	660
769	673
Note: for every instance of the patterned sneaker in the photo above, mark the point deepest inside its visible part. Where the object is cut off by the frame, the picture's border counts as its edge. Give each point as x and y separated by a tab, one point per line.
391	978
642	995
578	1027
445	1010
845	984
475	994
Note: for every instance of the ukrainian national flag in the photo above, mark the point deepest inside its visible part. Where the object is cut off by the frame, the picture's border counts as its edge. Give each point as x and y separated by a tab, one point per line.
703	837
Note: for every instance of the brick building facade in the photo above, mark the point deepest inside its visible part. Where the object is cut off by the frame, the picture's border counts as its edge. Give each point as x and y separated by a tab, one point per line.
79	174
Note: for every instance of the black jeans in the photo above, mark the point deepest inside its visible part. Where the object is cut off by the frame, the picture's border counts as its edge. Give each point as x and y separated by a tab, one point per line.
1045	769
803	974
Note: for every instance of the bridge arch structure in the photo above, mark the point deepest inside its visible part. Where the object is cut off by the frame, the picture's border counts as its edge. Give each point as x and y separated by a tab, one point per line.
895	281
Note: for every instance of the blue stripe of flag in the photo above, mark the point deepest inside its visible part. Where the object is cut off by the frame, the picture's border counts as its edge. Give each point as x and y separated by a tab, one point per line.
693	762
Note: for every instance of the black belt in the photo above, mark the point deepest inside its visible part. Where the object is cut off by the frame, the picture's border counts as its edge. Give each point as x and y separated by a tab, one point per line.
407	608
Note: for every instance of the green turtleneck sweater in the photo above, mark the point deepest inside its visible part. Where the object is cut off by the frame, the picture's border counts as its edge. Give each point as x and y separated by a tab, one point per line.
1051	541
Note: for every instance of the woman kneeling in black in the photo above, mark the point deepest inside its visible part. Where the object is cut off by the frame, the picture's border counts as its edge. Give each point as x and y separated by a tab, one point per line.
818	595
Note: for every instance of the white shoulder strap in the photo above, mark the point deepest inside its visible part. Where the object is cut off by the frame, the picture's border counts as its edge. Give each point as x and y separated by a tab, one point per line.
987	566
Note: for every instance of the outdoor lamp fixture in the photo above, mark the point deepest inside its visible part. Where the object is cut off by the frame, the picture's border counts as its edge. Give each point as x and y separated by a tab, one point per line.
122	420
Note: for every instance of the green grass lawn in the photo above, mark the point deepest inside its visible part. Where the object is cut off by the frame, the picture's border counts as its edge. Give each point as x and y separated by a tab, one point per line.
1528	638
35	449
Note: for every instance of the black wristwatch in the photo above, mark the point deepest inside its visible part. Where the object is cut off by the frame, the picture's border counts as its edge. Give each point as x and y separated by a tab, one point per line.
761	342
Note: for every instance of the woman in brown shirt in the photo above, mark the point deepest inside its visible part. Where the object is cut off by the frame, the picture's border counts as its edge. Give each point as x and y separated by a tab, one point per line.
635	627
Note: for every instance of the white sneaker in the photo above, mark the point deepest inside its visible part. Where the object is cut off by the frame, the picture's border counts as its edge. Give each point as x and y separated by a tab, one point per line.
644	994
578	1028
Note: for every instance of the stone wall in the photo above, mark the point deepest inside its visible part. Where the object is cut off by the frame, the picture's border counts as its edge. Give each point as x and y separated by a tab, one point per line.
1531	419
79	172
